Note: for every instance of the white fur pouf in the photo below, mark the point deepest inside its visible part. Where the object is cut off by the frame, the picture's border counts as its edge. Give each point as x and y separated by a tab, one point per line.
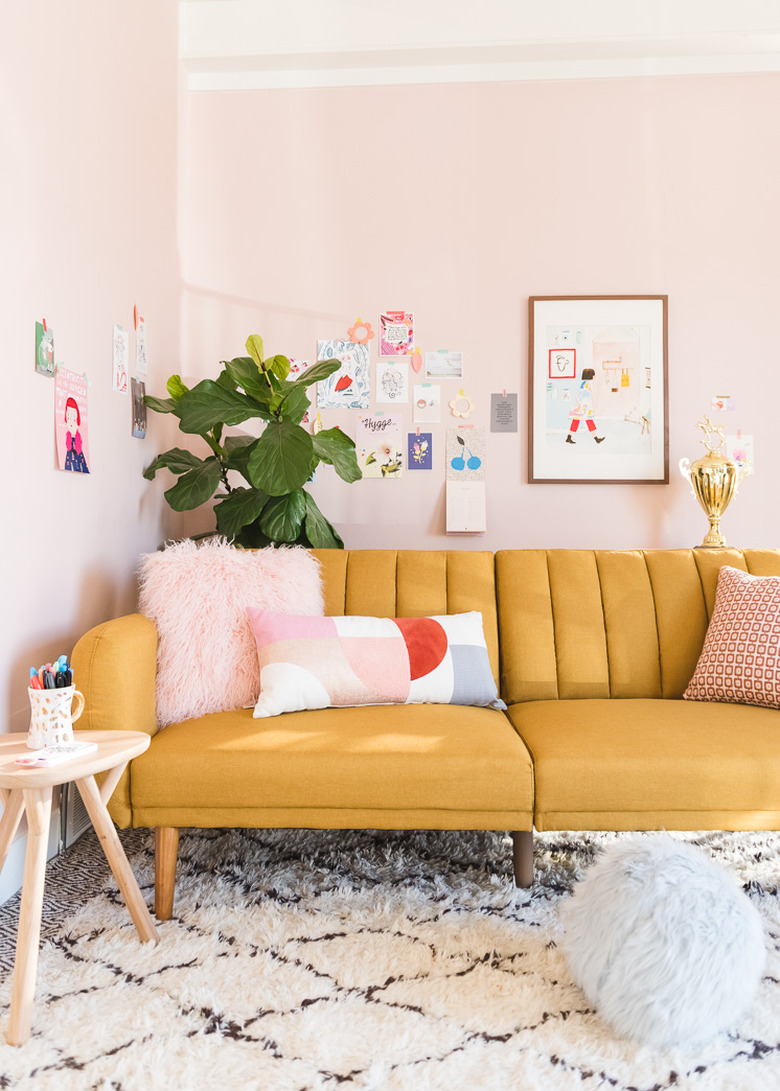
663	942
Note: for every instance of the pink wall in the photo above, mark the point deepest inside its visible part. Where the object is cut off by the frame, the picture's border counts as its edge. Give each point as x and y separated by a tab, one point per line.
88	200
307	208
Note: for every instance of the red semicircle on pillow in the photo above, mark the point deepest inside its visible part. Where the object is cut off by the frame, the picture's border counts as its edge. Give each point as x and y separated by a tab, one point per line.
426	643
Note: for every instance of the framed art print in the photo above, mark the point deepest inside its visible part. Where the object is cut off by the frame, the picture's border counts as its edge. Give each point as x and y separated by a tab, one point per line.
598	390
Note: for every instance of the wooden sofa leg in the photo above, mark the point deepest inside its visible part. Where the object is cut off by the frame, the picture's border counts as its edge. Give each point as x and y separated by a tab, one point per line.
166	845
523	857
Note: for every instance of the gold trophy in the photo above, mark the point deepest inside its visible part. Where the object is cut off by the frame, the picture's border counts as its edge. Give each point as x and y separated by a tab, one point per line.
714	479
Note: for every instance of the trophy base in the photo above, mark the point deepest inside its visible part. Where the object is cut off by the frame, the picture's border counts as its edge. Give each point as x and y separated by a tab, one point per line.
724	546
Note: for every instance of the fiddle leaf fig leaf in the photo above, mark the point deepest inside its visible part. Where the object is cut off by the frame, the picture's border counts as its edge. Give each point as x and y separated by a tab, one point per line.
195	487
336	448
252	381
292	404
283	516
278	366
177	460
254	346
176	387
321	370
209	404
283	459
233	513
318	530
161	405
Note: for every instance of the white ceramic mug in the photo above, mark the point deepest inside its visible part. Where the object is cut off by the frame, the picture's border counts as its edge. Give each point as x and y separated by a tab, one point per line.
54	712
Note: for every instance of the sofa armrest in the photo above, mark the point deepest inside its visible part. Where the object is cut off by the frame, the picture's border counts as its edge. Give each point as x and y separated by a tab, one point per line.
115	667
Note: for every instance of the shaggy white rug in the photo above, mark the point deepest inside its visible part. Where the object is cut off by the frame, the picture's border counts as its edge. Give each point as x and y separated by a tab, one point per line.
300	961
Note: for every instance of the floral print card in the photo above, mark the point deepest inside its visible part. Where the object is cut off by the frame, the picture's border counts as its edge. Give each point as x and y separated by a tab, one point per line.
419	455
347	388
396	333
379	445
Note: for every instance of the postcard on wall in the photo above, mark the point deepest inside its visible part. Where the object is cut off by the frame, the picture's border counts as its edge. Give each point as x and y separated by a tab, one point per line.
379	443
427	403
396	333
392	381
503	412
347	388
121	354
71	429
141	358
44	349
740	449
139	408
419	450
465	454
444	364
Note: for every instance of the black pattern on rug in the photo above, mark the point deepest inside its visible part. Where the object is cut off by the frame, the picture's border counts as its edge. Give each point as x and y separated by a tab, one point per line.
304	960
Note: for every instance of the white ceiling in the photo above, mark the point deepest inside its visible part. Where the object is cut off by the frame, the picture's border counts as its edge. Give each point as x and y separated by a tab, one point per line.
322	43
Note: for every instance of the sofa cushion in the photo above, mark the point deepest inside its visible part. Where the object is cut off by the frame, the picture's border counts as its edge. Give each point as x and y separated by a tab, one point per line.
740	660
652	764
197	596
390	766
311	663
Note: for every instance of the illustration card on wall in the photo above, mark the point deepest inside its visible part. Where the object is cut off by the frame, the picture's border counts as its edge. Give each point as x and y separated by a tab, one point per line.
466	503
503	412
419	451
392	381
139	408
396	333
444	364
598	389
141	358
44	349
347	388
121	355
379	444
740	449
71	429
427	403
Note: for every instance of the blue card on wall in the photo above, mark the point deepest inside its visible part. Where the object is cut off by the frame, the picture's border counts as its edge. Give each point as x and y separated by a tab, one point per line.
419	451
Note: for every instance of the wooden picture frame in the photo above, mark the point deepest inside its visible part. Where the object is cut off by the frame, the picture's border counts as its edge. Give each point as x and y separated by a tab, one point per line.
598	399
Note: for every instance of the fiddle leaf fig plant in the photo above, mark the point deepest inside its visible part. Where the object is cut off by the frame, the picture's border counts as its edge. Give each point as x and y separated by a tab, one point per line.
271	504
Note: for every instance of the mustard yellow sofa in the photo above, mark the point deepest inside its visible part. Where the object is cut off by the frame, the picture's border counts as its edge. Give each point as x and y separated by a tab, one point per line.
592	651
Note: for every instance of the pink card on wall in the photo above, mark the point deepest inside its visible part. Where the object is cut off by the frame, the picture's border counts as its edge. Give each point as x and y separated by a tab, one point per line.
396	333
70	422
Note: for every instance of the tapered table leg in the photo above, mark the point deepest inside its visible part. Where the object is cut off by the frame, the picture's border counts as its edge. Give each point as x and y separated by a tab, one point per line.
115	855
37	804
14	805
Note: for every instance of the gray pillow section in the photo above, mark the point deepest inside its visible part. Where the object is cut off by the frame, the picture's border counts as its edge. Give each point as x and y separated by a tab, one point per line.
473	683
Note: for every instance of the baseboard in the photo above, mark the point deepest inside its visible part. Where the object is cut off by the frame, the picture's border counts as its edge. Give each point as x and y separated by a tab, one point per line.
13	869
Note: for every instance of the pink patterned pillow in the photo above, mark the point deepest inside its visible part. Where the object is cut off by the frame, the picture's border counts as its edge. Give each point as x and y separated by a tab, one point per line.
740	660
329	662
197	596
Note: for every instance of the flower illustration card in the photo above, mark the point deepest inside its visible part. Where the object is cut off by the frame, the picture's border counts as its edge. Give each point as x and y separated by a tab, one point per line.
419	451
392	381
347	388
44	349
427	402
396	333
379	444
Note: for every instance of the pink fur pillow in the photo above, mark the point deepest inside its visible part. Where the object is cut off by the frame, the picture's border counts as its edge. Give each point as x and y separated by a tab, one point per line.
197	595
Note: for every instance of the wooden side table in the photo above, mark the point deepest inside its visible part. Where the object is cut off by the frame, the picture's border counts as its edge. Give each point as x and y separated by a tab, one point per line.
29	789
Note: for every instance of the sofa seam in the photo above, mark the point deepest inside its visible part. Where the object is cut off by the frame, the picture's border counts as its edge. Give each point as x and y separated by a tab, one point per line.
657	628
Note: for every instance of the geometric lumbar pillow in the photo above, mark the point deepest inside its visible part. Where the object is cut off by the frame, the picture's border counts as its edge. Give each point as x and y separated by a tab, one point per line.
663	942
740	660
326	662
